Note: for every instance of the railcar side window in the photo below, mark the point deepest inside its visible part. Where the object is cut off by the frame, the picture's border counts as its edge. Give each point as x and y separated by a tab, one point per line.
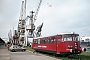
48	40
53	40
45	40
38	41
60	38
34	41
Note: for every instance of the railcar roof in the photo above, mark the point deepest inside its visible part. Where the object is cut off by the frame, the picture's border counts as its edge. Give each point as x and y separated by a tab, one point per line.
59	34
67	33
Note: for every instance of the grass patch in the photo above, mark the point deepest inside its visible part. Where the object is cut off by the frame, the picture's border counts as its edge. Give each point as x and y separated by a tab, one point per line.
82	56
29	48
85	55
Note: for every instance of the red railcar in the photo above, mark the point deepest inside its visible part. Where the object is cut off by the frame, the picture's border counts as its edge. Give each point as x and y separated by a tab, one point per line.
63	43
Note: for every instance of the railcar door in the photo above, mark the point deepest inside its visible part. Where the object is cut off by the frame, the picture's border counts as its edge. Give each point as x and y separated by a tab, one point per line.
58	44
53	44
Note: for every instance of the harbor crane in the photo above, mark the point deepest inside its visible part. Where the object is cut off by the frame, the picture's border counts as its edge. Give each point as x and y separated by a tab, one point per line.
31	33
22	23
33	17
10	36
19	38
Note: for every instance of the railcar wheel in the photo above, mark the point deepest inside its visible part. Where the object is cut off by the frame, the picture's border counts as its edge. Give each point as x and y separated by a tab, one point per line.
55	54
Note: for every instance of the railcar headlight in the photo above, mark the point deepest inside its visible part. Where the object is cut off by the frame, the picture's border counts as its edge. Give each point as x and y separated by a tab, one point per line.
70	46
70	50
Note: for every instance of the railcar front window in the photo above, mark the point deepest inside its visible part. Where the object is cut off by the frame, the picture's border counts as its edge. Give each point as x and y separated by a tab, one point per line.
76	37
71	37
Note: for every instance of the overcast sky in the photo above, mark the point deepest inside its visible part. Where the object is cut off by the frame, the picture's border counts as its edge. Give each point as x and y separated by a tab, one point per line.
58	16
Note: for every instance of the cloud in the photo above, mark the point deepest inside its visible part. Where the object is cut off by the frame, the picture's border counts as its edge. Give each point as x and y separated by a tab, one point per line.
9	14
1	18
3	30
64	15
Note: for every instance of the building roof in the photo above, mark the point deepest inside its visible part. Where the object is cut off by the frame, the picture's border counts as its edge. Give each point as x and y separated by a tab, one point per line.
2	41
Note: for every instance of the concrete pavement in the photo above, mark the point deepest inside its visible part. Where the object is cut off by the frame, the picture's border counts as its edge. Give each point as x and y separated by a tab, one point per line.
4	53
28	55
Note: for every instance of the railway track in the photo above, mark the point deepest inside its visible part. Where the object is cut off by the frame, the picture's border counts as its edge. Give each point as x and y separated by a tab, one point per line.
74	57
68	57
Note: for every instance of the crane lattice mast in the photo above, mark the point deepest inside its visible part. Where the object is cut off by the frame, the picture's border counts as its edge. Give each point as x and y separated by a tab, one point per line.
31	27
21	24
35	16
